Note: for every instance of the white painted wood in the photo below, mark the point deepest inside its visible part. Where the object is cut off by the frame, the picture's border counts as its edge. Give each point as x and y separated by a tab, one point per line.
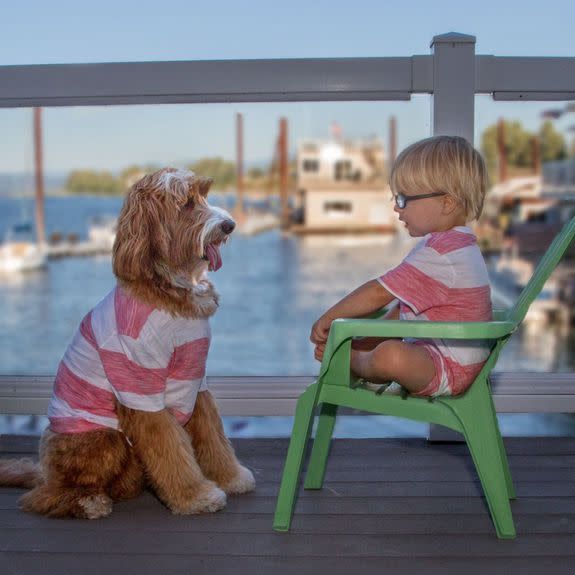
453	100
209	81
247	396
521	78
343	79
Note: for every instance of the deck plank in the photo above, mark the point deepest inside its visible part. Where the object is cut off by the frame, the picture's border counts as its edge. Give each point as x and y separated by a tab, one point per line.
397	505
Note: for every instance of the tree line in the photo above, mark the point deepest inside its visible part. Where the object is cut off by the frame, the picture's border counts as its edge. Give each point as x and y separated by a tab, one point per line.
105	183
518	149
520	145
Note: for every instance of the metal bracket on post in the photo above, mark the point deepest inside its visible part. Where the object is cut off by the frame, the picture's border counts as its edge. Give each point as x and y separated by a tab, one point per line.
452	113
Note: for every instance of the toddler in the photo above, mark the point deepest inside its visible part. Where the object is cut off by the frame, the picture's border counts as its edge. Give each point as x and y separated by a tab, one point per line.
438	185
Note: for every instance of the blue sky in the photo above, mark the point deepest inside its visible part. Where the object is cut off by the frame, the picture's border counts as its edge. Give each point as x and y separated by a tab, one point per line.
61	31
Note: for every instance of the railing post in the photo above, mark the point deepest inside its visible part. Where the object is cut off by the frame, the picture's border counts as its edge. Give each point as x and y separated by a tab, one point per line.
452	113
453	99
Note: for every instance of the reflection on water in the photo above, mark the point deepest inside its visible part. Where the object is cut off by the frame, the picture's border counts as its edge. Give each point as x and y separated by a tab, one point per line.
272	289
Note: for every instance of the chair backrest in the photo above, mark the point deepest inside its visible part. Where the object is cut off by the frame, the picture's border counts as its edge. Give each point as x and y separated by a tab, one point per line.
546	266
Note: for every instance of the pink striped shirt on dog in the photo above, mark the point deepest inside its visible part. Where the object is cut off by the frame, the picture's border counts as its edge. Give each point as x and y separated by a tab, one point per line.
444	278
129	352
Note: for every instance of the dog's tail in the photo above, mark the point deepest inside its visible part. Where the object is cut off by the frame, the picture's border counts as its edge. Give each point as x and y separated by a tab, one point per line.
19	473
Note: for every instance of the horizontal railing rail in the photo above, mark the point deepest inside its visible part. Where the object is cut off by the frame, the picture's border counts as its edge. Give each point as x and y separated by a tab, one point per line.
343	79
257	395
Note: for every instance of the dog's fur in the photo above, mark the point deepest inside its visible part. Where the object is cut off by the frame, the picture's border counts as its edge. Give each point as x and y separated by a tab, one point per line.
159	258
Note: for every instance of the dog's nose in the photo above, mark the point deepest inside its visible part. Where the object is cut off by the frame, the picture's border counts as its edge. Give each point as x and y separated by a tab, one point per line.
228	226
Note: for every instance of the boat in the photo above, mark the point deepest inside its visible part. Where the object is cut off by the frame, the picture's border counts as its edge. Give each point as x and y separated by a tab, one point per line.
552	305
19	253
342	188
102	230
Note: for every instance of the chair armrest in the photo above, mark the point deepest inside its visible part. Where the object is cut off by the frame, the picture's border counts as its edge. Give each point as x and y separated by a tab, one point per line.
338	346
343	329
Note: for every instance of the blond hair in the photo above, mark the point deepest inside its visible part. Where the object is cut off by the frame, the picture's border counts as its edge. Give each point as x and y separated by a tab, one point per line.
447	164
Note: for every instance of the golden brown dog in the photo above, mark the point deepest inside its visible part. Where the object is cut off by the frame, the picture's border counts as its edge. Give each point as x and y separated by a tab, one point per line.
130	407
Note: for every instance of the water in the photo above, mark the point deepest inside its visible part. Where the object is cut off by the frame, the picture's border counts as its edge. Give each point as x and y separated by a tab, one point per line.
272	288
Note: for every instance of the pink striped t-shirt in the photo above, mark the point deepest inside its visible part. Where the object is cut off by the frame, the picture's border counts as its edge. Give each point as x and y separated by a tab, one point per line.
444	278
129	352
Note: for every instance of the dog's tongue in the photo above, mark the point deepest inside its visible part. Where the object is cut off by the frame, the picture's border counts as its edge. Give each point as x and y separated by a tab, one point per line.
214	257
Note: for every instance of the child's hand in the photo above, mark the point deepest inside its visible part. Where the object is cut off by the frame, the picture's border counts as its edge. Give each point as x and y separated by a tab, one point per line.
320	331
319	351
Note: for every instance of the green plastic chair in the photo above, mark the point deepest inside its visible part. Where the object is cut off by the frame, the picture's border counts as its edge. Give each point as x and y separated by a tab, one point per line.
472	413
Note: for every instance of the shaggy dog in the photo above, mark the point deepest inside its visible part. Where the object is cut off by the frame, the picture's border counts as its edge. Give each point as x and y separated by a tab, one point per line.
130	407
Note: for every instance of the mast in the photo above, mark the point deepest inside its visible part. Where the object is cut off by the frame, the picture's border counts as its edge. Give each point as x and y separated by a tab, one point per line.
239	209
536	155
39	176
392	141
501	150
283	173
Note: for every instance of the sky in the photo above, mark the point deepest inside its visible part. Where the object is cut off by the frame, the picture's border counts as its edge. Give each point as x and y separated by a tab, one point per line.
69	31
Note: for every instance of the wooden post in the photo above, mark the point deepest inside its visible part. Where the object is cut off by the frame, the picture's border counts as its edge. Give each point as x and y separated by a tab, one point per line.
239	208
536	154
39	176
501	155
283	173
392	141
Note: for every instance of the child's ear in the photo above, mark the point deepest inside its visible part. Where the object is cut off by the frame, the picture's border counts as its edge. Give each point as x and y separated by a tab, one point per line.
450	204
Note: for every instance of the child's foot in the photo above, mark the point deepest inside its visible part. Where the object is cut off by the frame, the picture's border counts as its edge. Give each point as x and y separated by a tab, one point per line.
377	387
394	389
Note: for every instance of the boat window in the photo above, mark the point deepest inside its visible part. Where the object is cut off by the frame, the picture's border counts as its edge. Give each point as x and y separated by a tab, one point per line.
310	165
335	208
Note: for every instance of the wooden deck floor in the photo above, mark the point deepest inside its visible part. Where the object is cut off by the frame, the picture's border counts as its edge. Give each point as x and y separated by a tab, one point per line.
388	506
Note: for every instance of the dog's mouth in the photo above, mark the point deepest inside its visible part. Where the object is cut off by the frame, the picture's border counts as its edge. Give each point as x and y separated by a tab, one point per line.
213	256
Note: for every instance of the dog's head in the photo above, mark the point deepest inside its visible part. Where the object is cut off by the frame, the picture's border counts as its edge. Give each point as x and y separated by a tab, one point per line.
167	229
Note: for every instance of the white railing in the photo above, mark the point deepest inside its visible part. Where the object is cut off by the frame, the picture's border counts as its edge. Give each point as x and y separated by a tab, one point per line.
453	74
255	396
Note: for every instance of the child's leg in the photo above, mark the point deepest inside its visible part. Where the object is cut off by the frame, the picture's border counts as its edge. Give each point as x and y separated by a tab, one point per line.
394	360
366	343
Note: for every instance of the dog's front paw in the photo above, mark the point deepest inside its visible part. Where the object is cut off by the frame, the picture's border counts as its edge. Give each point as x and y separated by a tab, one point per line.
243	482
95	506
206	500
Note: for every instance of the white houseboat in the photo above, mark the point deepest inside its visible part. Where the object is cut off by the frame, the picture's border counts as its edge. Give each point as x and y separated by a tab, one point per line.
342	188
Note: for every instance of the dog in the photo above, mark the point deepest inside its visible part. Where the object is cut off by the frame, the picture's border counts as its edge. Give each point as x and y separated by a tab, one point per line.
130	408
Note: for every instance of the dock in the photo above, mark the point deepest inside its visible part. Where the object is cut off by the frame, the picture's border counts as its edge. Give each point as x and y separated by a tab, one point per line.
256	223
77	249
387	506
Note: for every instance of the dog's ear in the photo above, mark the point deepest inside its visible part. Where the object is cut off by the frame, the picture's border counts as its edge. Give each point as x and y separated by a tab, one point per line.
142	238
204	185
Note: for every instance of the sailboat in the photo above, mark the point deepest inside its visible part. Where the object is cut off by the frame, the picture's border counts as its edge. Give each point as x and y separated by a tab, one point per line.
20	251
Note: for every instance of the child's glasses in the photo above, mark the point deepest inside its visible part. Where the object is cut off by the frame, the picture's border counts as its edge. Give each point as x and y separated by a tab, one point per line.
402	200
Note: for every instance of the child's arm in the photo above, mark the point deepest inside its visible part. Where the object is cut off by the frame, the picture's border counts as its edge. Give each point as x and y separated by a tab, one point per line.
366	299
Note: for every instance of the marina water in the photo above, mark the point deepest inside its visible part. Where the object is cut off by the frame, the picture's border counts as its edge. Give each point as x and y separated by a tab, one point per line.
272	285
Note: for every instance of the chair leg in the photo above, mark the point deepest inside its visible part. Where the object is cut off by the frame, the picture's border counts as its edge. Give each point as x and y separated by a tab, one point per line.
485	445
318	459
503	457
295	456
505	464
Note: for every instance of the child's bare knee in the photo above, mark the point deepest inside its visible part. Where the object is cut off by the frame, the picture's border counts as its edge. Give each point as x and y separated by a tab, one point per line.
387	356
